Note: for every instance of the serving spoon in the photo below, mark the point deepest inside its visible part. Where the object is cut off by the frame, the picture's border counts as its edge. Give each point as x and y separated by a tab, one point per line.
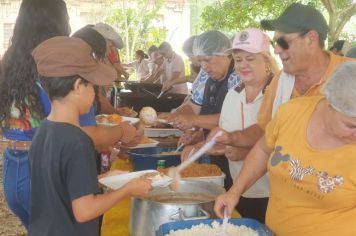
174	172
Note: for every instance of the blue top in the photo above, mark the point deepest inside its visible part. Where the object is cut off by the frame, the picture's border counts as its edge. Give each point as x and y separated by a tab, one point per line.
24	131
199	85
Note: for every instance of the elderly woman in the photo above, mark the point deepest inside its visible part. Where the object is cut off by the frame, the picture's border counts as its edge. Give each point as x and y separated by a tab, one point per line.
308	150
209	49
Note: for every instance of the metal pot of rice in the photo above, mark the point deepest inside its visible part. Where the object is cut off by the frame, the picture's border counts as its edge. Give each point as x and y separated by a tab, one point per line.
193	200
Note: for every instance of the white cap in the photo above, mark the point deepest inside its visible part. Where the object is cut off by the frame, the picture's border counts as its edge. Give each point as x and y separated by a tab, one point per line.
109	33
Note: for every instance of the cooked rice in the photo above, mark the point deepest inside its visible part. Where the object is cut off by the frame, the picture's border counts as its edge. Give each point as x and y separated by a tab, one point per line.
214	230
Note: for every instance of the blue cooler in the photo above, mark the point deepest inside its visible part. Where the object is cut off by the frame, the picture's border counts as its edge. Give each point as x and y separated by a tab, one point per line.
253	224
146	158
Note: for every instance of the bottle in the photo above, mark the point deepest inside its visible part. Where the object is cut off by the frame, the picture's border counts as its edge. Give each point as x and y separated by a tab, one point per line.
161	164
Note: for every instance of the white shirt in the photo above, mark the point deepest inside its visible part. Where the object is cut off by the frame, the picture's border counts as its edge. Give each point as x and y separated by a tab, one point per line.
232	119
174	65
141	68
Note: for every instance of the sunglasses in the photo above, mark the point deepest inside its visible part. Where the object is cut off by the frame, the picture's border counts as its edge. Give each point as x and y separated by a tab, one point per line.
283	43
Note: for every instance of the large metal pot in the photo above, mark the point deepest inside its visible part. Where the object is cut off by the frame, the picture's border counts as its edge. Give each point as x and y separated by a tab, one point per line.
193	200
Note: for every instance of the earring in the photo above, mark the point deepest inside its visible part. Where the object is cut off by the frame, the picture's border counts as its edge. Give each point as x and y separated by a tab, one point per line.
268	70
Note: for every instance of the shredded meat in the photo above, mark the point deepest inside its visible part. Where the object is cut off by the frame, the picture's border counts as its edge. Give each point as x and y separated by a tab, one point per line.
198	170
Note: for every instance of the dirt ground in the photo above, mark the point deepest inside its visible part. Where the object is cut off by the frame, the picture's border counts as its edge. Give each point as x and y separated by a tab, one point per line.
9	224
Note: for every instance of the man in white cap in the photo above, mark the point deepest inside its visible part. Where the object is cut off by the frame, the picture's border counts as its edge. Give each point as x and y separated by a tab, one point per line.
113	42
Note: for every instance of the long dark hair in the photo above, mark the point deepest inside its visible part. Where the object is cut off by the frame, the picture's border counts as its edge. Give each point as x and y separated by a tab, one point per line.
37	21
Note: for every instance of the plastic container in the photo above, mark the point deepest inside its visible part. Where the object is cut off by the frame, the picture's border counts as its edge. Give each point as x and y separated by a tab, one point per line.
146	158
160	132
261	229
211	179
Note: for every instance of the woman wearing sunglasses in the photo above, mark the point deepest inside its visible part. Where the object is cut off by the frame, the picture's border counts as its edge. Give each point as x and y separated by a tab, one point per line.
308	150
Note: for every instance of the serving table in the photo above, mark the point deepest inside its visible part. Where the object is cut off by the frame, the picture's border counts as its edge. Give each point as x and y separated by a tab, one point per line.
116	220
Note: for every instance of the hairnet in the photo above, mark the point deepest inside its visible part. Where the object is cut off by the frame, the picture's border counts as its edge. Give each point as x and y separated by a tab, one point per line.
211	43
340	89
188	46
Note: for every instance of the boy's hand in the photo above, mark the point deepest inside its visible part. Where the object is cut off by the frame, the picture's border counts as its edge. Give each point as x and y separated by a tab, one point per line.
111	173
138	187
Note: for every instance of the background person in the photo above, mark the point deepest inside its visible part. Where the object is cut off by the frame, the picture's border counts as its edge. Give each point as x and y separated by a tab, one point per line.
351	53
100	50
114	43
140	65
340	47
173	70
308	152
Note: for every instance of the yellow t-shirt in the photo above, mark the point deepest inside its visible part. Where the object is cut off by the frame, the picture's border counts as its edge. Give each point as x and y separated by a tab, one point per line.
265	113
312	192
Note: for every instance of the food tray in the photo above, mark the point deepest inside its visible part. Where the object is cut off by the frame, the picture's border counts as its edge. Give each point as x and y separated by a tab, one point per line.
160	132
131	120
253	224
212	179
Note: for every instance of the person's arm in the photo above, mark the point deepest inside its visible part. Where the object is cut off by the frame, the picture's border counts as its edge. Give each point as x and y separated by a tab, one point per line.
155	75
105	105
104	137
121	71
189	107
101	203
175	79
242	138
184	122
254	167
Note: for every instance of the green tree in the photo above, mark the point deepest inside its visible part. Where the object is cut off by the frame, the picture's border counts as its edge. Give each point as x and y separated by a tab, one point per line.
234	15
137	23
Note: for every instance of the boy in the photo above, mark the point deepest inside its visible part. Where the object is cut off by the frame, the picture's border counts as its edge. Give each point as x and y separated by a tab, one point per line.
64	198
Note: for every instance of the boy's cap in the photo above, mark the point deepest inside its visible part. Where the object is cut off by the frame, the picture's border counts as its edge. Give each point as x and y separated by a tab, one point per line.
298	18
109	33
65	56
250	40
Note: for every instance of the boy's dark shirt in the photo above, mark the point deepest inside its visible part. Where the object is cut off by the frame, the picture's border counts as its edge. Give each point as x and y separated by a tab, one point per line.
63	168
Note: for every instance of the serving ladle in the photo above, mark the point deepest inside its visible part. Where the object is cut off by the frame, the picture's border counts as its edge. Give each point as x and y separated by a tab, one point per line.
174	172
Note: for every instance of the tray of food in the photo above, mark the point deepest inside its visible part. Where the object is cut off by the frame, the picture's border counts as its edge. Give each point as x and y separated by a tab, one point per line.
161	132
114	119
146	142
202	172
212	227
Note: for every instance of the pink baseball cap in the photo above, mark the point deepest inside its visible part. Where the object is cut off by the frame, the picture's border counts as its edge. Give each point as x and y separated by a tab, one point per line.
250	40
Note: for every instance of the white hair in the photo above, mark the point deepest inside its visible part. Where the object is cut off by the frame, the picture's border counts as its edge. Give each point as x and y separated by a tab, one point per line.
340	89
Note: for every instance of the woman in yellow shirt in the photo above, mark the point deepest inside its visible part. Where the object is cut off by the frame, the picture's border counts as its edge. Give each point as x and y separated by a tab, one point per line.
309	152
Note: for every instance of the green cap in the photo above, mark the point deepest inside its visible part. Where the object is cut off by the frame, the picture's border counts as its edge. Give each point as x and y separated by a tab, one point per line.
298	18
